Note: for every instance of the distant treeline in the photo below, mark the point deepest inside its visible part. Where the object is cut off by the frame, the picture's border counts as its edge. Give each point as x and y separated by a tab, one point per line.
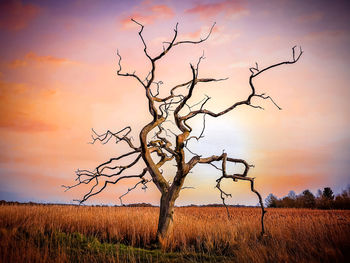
323	200
3	202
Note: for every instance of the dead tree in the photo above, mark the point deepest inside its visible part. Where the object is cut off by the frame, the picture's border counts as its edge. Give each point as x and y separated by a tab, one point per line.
158	145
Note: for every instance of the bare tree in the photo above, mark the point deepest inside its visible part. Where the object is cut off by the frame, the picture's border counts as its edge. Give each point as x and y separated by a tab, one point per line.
159	145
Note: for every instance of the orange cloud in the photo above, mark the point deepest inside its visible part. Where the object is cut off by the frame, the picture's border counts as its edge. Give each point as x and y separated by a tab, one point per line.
217	37
20	122
203	31
15	15
18	107
230	8
148	15
32	57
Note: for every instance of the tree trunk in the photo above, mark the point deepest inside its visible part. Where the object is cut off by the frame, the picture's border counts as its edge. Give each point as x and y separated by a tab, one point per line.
165	220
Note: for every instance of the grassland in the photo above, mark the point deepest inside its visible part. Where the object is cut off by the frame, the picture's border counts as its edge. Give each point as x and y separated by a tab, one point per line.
39	233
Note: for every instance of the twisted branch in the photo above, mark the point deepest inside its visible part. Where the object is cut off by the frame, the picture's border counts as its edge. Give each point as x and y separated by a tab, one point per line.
254	73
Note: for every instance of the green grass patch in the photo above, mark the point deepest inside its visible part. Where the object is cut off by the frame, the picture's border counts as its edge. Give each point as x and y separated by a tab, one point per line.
76	247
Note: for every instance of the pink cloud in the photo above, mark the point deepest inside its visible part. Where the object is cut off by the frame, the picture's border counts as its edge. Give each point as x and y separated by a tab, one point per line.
16	15
217	37
325	35
148	14
229	8
163	9
203	31
33	57
313	17
20	123
18	108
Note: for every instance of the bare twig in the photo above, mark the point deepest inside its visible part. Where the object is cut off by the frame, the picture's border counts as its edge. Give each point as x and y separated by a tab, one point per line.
144	187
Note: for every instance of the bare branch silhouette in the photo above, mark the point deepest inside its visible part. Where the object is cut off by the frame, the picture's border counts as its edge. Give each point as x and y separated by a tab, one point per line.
144	187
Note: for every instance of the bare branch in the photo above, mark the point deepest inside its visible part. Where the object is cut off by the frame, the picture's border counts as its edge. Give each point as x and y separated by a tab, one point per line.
223	195
194	42
85	176
178	121
193	153
196	137
126	74
256	106
171	44
235	177
90	193
208	160
143	41
187	187
255	72
263	96
158	86
188	83
144	187
107	136
199	61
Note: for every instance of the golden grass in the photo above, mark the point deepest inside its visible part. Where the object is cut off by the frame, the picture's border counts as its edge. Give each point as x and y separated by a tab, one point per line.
50	234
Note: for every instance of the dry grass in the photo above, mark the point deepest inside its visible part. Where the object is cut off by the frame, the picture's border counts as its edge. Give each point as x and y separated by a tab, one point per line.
101	234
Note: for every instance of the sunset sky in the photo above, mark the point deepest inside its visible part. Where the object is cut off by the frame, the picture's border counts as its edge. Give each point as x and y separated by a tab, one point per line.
58	80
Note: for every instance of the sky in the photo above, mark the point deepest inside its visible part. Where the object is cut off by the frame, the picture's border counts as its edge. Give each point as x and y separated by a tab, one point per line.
58	80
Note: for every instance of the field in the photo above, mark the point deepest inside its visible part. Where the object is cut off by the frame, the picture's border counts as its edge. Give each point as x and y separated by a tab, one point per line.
52	233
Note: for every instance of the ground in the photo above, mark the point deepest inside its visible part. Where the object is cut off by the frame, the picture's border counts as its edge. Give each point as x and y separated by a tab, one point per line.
54	233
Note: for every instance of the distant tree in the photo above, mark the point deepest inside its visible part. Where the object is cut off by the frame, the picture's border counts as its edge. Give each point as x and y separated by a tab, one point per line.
342	201
287	202
328	193
271	201
324	200
308	199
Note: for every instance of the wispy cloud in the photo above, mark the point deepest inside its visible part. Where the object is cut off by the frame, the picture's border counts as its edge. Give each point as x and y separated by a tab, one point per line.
325	35
32	57
16	15
19	122
200	33
309	18
218	35
231	9
18	105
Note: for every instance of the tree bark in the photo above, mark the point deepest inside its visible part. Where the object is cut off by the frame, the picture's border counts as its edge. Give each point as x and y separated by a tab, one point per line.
166	216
